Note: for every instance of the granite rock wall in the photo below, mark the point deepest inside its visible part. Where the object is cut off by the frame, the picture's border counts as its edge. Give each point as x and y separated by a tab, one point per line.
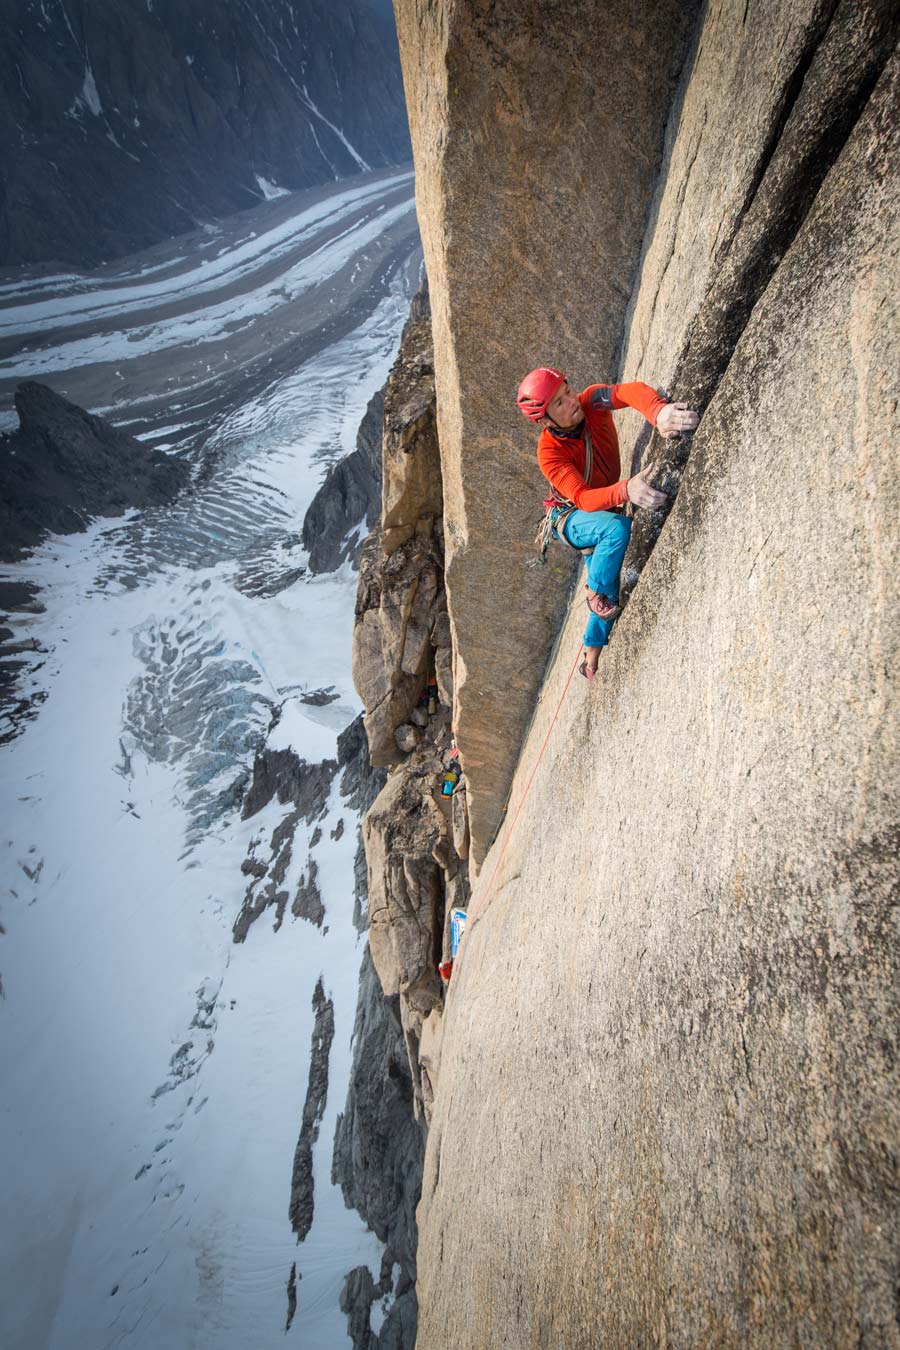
666	1097
537	134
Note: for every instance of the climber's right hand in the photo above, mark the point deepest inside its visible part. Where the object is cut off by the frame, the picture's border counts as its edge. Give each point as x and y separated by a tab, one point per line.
642	494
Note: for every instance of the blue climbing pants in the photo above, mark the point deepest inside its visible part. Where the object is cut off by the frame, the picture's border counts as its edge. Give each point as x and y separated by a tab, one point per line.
607	534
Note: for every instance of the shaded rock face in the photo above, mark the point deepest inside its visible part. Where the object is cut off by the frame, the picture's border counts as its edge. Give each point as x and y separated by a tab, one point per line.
401	634
555	117
378	1155
291	1296
403	670
378	1146
412	489
64	466
138	121
416	846
281	774
307	903
408	851
361	783
348	498
672	1033
399	600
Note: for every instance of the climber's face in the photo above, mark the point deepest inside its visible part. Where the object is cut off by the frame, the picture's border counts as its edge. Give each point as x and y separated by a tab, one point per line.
564	408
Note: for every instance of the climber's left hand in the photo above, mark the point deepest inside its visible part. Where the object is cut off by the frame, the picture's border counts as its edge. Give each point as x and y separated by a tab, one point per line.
675	418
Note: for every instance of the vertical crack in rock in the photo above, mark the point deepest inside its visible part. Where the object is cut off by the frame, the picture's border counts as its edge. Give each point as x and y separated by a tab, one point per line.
300	1210
782	111
835	72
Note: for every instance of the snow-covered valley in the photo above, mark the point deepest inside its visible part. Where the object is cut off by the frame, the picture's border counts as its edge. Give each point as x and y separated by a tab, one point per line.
154	1072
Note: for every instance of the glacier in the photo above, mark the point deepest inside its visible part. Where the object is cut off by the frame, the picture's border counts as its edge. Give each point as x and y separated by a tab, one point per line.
153	1071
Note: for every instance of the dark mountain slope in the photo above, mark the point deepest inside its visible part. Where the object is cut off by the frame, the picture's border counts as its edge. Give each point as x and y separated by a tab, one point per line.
129	121
63	466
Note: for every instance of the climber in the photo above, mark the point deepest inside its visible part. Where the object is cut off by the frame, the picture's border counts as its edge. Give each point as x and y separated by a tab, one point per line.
578	452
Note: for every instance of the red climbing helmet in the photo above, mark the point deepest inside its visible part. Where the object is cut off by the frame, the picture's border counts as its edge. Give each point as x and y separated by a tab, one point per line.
537	389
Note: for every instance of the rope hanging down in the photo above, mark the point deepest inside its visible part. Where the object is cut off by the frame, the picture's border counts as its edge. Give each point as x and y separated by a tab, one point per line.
509	833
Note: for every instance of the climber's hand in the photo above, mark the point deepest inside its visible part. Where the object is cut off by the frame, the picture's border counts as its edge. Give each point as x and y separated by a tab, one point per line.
675	418
642	494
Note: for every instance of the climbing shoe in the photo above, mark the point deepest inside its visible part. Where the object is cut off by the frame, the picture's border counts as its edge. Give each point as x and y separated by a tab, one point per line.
587	670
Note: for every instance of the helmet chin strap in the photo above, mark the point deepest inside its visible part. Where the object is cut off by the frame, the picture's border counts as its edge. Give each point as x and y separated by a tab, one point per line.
554	423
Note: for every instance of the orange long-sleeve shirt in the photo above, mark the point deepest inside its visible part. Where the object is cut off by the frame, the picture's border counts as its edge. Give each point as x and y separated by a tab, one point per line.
561	453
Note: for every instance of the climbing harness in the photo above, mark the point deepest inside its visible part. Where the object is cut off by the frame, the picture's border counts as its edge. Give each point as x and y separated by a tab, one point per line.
557	511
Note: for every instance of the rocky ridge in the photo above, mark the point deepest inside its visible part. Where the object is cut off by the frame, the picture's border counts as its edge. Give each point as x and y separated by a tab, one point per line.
417	858
283	775
61	468
350	494
300	1209
64	465
379	1150
378	1145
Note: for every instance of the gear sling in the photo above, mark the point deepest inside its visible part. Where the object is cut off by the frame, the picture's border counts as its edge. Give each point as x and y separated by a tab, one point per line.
557	511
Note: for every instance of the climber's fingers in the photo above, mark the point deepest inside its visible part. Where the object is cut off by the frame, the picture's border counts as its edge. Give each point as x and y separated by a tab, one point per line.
642	494
676	418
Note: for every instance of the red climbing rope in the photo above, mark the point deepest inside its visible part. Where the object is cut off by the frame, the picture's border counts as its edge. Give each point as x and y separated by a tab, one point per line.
484	904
